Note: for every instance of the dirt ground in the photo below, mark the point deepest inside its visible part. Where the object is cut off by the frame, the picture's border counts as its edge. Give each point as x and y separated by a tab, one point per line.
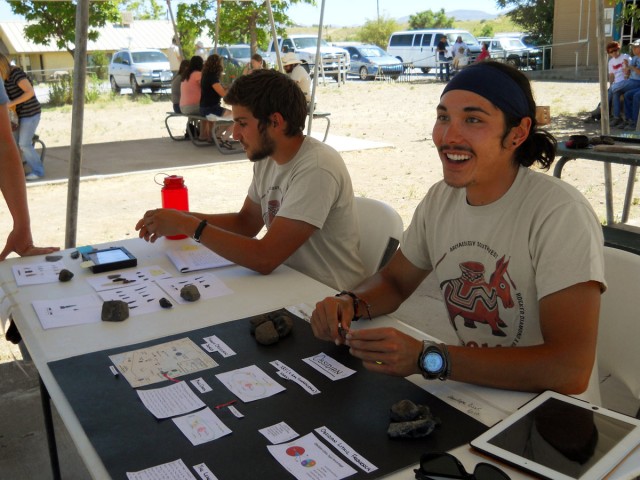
398	113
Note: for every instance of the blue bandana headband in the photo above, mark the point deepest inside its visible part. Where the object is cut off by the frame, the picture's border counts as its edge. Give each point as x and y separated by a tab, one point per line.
494	85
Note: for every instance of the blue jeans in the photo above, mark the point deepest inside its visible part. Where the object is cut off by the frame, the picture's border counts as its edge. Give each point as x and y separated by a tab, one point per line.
631	111
25	133
444	67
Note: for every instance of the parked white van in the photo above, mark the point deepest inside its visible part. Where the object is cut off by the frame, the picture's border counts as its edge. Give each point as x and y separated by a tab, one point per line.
419	46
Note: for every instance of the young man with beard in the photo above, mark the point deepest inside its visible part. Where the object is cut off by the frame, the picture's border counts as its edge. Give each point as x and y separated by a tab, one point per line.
301	191
518	254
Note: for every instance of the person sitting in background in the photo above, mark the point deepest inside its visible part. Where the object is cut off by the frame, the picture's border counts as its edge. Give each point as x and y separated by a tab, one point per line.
518	255
484	53
256	63
297	73
301	192
212	93
22	98
201	51
175	85
618	71
460	59
632	88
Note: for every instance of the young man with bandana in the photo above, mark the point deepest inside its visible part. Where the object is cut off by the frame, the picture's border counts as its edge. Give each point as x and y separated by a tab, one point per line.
518	254
301	192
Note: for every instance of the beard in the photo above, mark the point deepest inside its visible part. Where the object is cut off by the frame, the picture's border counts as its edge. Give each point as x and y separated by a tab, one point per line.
264	149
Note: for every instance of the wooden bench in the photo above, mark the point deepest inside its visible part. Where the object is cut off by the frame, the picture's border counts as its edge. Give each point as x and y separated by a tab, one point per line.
192	124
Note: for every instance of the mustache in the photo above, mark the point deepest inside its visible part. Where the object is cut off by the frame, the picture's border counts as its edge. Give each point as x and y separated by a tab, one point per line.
458	148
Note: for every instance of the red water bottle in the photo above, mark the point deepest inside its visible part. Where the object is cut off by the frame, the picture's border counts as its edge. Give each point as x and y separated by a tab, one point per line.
175	195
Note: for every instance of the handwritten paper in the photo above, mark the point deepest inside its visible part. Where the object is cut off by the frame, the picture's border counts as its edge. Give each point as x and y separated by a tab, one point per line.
191	258
113	280
329	367
140	298
217	345
289	373
37	273
346	450
65	312
307	458
175	399
250	383
175	470
278	433
201	427
208	285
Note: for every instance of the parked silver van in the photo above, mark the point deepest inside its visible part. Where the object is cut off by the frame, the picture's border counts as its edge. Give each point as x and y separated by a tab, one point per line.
419	46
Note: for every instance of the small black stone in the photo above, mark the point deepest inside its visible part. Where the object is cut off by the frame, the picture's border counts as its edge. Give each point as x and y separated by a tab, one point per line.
164	303
409	420
65	275
75	254
190	293
114	311
53	258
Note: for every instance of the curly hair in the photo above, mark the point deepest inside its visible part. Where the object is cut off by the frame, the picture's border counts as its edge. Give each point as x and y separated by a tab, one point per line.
266	92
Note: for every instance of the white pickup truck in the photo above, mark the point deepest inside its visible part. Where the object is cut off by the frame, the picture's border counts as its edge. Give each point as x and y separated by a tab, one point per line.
304	46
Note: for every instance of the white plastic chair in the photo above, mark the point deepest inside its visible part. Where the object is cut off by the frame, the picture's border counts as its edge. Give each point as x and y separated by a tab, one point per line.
619	333
380	232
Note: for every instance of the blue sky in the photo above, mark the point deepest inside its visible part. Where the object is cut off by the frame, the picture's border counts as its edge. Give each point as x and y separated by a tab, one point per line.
356	12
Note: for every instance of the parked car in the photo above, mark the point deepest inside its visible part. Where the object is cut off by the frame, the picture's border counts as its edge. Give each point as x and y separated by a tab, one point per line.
512	51
419	46
367	61
239	54
138	69
305	46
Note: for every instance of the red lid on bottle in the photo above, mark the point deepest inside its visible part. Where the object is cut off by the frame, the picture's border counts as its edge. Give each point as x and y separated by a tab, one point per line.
173	181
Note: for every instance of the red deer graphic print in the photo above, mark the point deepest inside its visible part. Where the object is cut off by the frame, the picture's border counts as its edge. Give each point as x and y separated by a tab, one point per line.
475	300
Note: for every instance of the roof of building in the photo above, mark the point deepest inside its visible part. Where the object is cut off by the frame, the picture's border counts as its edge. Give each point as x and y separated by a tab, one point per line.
140	34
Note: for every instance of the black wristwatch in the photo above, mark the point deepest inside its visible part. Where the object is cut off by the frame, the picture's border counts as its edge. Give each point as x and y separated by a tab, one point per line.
198	232
434	361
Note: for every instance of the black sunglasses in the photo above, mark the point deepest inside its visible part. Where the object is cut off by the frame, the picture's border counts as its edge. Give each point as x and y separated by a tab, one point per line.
447	466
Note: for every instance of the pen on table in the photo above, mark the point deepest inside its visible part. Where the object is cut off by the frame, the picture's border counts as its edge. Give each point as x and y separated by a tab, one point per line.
114	371
222	405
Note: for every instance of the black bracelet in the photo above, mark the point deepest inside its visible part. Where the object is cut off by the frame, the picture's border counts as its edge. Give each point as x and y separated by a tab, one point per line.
356	302
198	232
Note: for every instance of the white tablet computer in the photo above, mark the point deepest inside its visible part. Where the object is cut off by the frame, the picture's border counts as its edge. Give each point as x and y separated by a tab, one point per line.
561	438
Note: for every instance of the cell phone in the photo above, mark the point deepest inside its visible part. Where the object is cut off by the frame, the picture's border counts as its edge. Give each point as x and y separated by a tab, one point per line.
109	259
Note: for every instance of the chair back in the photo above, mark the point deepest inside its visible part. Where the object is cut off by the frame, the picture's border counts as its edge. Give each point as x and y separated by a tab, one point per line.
380	232
619	327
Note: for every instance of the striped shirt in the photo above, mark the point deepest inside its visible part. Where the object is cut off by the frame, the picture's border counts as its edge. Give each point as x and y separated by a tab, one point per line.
26	109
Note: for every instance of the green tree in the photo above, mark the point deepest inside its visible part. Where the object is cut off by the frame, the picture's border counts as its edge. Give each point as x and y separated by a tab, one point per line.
56	21
378	31
143	9
486	30
240	22
534	16
429	19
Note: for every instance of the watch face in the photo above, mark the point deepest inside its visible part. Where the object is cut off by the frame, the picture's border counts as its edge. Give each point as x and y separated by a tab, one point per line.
433	362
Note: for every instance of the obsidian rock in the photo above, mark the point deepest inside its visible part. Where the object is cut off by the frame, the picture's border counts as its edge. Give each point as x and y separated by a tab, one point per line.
164	303
65	275
283	325
53	258
409	420
190	293
75	254
114	311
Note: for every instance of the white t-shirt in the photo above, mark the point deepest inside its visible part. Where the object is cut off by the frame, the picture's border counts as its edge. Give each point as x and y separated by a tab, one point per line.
314	187
616	67
495	262
302	78
174	58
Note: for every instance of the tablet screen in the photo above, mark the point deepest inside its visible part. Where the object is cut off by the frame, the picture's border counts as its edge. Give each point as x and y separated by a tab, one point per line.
111	256
563	437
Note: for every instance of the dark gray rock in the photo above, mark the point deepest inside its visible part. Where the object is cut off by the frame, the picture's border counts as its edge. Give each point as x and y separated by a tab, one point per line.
409	420
65	275
115	311
190	293
53	258
75	254
164	303
283	325
266	333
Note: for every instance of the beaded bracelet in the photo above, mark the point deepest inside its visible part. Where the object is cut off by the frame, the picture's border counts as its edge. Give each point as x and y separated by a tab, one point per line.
357	301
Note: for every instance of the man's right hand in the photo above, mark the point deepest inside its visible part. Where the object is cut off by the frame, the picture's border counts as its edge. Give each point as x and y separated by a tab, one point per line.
330	314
